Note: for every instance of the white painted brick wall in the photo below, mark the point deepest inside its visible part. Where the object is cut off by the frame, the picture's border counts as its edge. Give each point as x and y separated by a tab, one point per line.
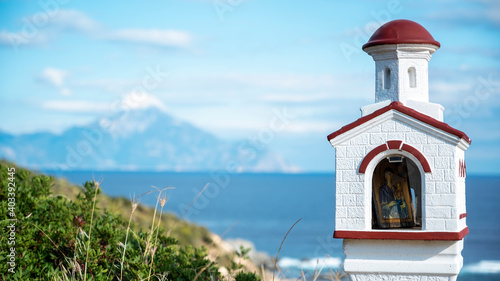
350	200
350	176
345	164
356	151
388	126
395	136
402	127
439	212
341	212
414	138
342	188
430	150
443	195
339	201
357	212
446	150
442	162
430	188
435	200
452	225
361	139
378	138
443	188
341	223
356	187
435	224
340	152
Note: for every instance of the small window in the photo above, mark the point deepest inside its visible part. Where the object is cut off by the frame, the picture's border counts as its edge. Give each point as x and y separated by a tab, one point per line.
387	78
412	77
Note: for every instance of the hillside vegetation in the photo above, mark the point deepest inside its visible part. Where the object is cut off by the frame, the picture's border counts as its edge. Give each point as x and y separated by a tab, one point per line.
56	231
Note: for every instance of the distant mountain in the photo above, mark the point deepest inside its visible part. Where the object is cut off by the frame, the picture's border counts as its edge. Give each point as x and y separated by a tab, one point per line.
140	139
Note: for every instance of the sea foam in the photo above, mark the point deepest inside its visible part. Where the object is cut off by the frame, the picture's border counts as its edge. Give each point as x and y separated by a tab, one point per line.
483	267
310	264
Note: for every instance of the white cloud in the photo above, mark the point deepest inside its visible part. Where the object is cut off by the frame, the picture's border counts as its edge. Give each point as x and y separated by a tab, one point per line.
297	98
488	13
56	77
43	27
284	81
139	100
71	20
156	37
128	102
15	39
78	106
310	126
447	87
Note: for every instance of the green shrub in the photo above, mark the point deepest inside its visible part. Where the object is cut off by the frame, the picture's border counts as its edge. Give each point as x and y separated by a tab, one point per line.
247	276
61	239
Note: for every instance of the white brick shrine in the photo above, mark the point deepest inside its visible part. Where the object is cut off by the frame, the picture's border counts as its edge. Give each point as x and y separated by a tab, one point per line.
400	170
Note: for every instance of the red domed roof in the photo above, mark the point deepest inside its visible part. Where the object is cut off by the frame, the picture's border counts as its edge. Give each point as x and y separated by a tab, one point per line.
401	32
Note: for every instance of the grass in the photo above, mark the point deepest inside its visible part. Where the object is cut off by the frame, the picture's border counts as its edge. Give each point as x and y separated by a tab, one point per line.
186	233
334	275
151	246
178	229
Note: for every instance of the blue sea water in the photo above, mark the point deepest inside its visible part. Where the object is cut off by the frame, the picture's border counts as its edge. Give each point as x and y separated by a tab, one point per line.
262	208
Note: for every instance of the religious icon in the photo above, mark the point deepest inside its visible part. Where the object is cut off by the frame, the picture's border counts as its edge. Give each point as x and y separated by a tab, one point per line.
392	200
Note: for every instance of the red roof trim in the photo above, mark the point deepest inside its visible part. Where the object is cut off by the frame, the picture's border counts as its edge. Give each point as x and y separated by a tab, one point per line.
396	105
368	158
399	235
462	216
394	144
418	155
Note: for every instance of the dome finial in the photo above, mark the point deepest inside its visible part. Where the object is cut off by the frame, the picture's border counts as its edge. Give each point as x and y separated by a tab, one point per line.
401	32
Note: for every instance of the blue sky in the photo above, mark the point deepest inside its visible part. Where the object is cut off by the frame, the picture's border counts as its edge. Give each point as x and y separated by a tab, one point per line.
227	66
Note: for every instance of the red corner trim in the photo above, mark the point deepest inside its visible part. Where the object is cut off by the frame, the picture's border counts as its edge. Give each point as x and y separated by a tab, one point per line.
398	235
394	144
396	105
464	215
370	156
418	155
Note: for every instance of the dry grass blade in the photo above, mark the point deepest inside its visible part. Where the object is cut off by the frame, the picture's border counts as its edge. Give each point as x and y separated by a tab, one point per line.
185	211
278	268
279	250
264	277
228	229
162	204
135	203
194	200
200	272
316	271
338	275
158	201
96	185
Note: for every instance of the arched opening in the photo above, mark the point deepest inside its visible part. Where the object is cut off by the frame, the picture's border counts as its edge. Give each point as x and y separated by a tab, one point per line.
412	77
396	194
387	78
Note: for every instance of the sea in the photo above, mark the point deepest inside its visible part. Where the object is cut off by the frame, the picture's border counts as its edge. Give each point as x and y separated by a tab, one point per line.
292	214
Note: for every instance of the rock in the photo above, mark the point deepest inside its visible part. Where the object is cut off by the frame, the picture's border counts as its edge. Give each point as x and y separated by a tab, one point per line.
255	256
